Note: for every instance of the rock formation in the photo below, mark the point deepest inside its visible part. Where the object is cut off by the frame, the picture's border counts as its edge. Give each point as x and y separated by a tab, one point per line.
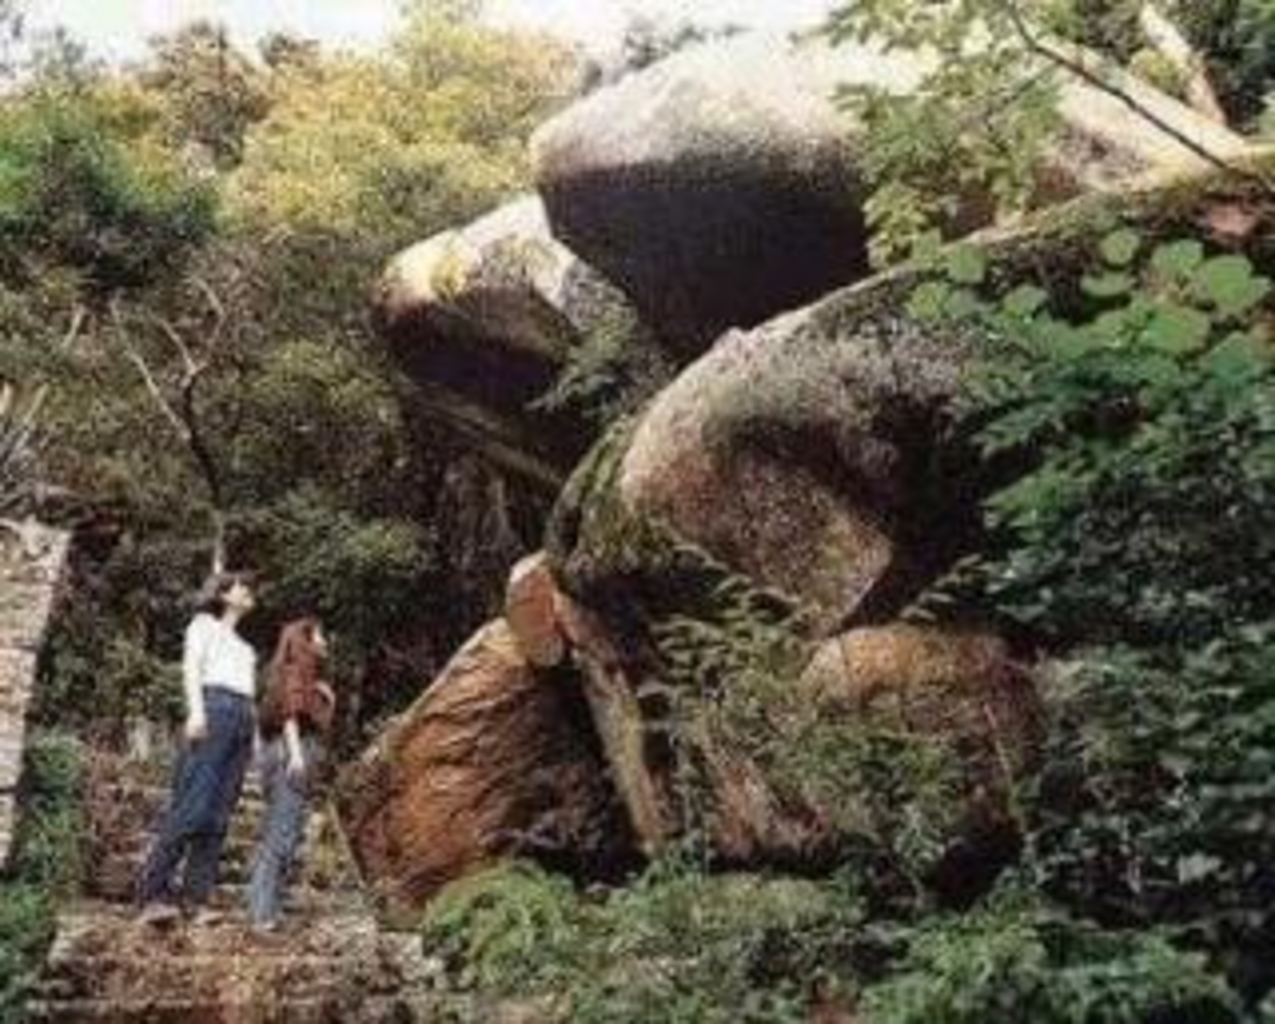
720	186
813	468
483	320
494	759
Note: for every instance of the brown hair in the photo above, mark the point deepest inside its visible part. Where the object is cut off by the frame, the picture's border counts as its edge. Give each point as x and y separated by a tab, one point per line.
296	652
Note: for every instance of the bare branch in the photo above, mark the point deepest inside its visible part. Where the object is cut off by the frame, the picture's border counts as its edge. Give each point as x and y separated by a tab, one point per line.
149	380
1081	70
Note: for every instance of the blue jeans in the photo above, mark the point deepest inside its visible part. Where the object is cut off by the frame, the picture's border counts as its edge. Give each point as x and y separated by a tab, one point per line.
287	806
206	785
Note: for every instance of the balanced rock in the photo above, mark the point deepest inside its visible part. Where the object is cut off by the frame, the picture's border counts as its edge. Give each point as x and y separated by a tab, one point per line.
483	319
803	454
722	185
494	759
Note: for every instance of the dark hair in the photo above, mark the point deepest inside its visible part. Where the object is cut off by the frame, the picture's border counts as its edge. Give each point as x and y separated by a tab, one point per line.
212	595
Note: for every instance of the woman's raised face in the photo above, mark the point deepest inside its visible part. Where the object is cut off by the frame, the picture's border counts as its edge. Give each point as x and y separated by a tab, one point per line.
240	597
319	638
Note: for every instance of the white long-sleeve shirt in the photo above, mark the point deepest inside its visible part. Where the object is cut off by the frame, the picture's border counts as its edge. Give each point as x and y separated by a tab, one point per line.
215	655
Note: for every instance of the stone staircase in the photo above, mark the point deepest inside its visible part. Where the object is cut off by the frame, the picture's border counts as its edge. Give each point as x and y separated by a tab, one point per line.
332	963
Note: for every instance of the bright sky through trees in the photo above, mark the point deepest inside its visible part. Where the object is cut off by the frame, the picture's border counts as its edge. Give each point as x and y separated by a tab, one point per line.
119	28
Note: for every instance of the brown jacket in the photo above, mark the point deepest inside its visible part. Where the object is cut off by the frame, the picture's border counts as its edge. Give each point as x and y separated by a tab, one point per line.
292	689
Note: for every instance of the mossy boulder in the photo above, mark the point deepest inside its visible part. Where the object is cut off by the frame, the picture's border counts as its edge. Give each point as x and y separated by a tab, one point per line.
823	463
484	319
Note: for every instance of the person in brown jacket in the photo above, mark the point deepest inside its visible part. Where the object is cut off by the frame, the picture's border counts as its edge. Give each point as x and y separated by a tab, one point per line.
294	718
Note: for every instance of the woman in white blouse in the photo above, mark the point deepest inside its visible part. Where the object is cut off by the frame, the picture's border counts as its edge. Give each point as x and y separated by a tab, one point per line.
219	680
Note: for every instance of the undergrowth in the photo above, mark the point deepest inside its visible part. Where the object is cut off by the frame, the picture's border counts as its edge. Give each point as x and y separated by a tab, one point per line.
45	866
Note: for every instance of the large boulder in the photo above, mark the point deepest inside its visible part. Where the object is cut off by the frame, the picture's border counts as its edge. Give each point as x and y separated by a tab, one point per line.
821	454
803	454
721	185
494	759
822	463
964	718
483	320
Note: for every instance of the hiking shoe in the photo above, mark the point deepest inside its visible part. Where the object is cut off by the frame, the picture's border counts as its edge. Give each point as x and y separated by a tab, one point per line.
206	917
158	915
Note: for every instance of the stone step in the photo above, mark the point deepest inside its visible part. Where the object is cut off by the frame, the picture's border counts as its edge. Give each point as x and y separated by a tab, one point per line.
338	959
352	1009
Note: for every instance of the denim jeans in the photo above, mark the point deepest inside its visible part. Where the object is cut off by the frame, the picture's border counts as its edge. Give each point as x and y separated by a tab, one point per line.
206	785
287	806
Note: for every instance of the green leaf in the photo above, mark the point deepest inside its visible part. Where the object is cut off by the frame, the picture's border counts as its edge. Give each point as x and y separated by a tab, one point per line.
1025	301
1108	285
1178	329
1120	247
1229	284
966	265
928	302
1177	260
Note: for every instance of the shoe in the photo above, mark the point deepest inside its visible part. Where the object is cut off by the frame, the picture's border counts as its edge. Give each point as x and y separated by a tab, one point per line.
158	915
268	932
206	917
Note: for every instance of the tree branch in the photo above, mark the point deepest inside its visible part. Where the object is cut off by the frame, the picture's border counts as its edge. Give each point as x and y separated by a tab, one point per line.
1078	68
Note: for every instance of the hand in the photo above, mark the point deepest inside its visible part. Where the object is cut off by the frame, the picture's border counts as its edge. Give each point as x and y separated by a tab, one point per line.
325	691
296	766
196	727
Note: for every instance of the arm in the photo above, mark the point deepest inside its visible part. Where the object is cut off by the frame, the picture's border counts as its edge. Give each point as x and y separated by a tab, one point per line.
296	756
193	654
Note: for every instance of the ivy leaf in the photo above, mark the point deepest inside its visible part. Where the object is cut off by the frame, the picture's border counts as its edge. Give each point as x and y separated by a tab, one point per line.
1177	260
1109	285
966	265
1120	247
1229	284
1178	329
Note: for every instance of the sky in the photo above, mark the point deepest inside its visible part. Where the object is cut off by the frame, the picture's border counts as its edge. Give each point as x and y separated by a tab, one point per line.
118	29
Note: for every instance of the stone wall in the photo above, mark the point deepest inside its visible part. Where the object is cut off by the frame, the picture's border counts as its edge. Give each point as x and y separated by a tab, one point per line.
32	565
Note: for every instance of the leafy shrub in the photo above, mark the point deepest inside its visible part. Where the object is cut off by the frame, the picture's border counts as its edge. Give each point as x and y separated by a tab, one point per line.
47	861
1150	411
675	946
73	195
1006	964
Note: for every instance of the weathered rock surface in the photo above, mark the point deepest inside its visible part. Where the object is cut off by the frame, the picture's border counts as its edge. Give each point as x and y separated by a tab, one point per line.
958	693
531	611
823	455
493	759
804	454
32	565
720	186
816	454
483	319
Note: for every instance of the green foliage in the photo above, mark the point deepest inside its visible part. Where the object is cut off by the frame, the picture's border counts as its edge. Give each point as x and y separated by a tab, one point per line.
1011	963
610	374
47	861
1150	413
969	136
1154	808
73	195
361	575
211	92
1137	406
965	145
673	947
